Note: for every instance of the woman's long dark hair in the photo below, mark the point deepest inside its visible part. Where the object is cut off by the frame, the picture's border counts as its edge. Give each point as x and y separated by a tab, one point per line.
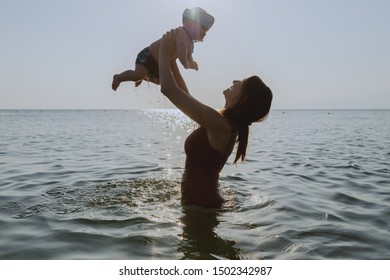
253	106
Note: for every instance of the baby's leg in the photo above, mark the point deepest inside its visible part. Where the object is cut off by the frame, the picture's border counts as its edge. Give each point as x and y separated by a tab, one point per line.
139	73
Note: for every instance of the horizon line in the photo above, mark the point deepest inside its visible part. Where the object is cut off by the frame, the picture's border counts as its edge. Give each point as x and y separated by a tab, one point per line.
142	109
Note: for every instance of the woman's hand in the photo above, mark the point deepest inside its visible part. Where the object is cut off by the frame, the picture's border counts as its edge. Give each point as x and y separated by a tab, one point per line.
168	43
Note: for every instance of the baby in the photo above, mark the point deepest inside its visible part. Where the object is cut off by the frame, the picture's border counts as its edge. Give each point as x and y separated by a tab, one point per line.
196	22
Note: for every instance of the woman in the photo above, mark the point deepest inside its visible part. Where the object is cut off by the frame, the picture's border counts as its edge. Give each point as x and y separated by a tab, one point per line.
208	147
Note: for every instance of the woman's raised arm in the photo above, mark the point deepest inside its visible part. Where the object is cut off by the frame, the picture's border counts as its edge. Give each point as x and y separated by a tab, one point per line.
204	115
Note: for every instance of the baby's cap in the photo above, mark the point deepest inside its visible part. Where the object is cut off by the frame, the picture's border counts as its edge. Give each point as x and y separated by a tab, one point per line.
199	15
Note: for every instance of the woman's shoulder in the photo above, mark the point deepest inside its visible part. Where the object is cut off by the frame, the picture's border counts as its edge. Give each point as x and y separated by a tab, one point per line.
220	138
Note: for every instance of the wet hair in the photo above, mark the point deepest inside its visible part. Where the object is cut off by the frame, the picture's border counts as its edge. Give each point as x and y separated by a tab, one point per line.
253	106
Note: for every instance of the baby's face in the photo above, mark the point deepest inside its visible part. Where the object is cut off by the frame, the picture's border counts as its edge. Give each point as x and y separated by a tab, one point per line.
197	30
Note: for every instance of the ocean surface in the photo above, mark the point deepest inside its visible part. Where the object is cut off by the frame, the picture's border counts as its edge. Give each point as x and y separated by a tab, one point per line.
106	185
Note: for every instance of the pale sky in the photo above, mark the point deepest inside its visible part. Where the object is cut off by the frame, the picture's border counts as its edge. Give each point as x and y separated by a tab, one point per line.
313	54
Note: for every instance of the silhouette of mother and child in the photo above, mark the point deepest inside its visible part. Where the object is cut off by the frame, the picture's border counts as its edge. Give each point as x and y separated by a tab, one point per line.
209	146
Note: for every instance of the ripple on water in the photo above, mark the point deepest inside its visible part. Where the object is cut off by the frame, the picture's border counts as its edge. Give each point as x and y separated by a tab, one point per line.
139	214
117	195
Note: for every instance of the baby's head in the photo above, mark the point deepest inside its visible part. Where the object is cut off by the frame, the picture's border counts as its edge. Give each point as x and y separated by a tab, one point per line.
197	22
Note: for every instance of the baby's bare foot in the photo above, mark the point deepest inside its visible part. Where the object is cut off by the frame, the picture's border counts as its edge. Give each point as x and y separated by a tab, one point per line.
115	82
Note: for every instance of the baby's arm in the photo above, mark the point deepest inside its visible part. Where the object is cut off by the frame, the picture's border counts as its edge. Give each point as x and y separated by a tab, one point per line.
182	48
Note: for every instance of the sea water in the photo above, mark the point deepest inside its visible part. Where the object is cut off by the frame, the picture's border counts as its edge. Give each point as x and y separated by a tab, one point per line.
106	185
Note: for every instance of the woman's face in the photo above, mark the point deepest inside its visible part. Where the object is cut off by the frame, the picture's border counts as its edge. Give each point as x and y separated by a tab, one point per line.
232	94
